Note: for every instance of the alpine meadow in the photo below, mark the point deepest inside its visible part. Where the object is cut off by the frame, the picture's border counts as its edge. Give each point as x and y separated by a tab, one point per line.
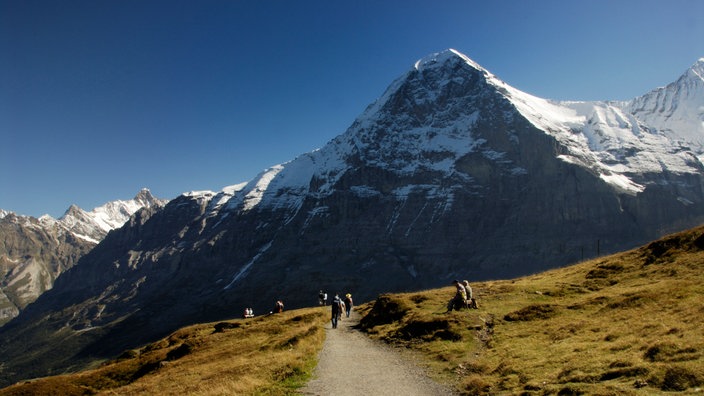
626	324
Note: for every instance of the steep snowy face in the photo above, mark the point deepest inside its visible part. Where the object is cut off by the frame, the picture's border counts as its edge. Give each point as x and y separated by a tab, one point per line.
425	118
425	121
623	141
421	123
676	110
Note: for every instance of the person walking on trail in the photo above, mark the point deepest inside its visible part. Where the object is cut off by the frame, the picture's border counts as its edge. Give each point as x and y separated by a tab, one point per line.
336	311
321	298
460	298
348	304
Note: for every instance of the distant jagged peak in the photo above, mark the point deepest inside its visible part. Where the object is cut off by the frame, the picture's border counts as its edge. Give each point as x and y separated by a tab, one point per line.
677	110
144	198
695	74
95	224
144	195
13	217
74	211
698	67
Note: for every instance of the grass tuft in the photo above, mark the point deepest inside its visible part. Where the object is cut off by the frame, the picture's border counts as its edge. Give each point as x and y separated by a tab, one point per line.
680	379
532	312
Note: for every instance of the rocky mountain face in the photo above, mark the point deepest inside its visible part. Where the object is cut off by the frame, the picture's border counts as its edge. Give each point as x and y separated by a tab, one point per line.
34	252
451	173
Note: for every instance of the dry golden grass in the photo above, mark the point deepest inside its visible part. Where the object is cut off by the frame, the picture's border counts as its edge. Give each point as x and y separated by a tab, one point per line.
625	324
267	355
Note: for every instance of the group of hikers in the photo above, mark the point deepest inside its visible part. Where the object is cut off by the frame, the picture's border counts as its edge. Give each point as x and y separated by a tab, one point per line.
337	306
278	308
248	313
463	297
322	298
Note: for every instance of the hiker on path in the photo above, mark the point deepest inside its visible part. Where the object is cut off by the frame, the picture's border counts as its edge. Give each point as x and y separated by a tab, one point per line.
348	304
321	298
460	297
336	311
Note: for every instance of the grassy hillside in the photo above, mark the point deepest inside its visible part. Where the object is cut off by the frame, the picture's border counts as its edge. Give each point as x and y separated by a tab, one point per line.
630	323
266	355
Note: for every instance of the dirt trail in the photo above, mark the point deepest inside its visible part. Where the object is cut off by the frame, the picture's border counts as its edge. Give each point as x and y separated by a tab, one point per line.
352	364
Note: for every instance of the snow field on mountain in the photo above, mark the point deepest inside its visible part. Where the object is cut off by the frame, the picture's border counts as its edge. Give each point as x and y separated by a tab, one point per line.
651	134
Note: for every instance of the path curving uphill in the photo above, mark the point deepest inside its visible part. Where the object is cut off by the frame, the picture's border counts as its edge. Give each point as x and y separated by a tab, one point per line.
352	364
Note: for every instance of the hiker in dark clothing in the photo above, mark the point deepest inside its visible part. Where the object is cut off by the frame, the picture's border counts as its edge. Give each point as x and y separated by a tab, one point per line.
336	310
278	307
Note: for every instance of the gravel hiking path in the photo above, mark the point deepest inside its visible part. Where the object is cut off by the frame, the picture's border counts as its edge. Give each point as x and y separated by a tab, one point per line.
352	364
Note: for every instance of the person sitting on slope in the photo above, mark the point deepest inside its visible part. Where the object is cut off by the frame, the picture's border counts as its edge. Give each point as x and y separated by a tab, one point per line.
458	300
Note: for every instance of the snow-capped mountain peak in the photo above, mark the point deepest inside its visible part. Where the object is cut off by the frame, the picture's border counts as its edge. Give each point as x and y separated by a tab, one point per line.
663	130
94	225
614	140
439	59
676	110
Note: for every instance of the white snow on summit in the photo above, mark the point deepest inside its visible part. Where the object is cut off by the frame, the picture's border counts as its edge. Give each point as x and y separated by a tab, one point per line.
662	131
647	135
90	226
676	110
94	225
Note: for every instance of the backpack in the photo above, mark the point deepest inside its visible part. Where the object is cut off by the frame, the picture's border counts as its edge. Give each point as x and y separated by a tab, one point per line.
336	305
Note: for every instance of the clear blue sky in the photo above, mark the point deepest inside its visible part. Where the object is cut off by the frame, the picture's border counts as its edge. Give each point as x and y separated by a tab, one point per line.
101	98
